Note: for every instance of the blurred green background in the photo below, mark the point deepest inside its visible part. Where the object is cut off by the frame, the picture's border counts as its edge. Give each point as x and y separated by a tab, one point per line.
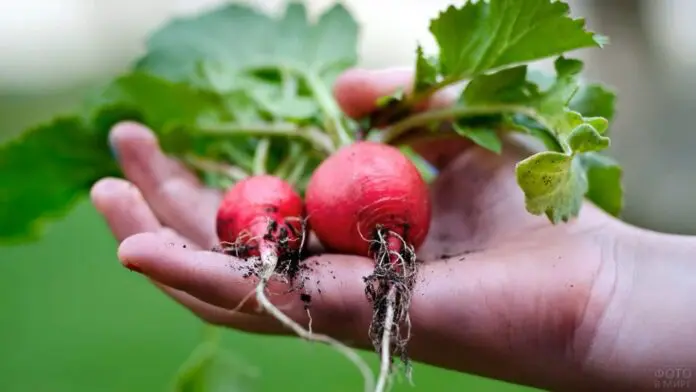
73	320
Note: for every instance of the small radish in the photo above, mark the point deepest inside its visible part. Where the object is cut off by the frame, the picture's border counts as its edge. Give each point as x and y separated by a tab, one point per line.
262	216
369	199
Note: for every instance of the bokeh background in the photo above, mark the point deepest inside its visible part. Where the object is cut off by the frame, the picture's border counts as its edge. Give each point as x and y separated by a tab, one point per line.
73	320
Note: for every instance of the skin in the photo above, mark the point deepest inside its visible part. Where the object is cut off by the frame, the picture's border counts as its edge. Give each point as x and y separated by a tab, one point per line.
592	305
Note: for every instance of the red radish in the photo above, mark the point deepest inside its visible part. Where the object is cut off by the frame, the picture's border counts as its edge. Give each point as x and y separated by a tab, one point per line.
362	187
260	216
369	199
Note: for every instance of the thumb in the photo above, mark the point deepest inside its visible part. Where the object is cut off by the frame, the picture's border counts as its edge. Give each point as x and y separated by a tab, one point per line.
358	90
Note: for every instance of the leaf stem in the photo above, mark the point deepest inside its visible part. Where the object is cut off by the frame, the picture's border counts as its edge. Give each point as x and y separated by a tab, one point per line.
296	173
285	165
311	135
238	156
453	112
261	157
329	107
234	173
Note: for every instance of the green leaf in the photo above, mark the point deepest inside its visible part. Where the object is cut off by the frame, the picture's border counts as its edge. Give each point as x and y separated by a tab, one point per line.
160	103
176	112
591	99
283	107
554	184
547	139
486	35
604	176
506	86
585	138
513	91
554	100
484	137
594	100
426	72
241	38
45	171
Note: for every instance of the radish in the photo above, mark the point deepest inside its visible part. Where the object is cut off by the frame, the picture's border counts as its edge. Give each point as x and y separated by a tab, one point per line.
263	217
369	199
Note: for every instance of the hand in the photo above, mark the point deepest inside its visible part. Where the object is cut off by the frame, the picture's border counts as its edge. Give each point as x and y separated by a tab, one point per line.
586	305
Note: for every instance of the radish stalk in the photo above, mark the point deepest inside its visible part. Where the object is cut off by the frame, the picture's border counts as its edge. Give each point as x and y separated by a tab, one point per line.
233	173
312	136
329	107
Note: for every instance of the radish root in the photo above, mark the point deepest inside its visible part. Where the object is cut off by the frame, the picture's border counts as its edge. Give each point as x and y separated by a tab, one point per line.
269	261
385	365
389	289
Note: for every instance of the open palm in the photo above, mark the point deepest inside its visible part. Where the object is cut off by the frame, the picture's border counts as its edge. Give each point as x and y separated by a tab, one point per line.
502	293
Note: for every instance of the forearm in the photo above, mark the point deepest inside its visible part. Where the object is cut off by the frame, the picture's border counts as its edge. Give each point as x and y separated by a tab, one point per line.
646	338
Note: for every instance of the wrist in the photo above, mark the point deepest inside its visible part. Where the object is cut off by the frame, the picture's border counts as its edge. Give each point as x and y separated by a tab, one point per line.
646	336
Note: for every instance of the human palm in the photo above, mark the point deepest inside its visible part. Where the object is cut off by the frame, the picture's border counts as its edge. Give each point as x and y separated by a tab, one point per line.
502	293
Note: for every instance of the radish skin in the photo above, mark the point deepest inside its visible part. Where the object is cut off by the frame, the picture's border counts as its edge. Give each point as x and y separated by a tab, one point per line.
362	186
369	199
259	211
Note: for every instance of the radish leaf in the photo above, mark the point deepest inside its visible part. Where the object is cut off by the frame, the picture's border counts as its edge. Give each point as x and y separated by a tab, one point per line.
242	39
586	138
554	184
45	170
594	100
604	176
511	99
487	35
426	72
484	137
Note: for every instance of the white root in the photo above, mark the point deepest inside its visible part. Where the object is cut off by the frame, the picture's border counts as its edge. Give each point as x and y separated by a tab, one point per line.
269	260
394	314
385	365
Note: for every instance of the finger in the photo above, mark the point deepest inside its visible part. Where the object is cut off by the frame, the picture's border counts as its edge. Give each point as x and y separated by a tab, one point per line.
333	283
357	92
174	194
123	207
